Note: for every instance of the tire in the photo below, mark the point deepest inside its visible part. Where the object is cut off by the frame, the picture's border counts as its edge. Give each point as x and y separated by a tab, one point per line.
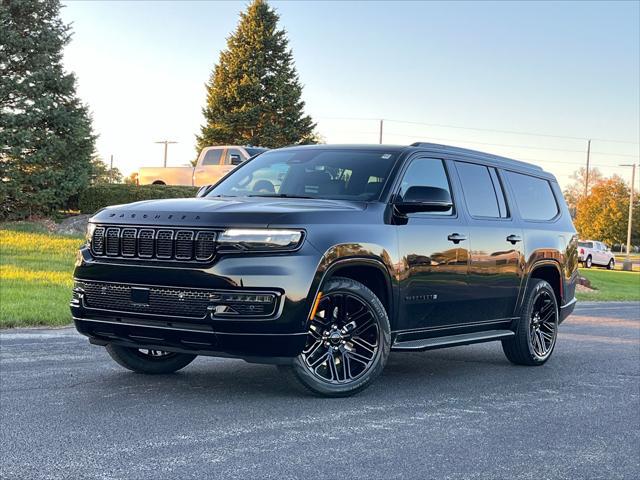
536	330
611	264
348	343
588	262
149	361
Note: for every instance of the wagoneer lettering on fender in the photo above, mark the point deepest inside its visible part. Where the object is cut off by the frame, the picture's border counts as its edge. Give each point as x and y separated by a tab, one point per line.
324	259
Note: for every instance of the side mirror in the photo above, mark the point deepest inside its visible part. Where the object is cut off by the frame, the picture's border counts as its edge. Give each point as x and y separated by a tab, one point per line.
236	159
202	191
424	199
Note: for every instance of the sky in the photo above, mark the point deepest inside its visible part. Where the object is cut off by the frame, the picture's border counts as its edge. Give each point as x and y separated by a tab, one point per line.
532	81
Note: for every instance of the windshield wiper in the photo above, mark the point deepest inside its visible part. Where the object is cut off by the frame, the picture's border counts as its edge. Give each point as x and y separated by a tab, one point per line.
278	195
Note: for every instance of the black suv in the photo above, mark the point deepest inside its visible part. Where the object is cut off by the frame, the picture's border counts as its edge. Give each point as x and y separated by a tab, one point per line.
323	259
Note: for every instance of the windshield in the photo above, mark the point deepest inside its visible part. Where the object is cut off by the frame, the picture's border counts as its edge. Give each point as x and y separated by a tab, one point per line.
585	244
329	174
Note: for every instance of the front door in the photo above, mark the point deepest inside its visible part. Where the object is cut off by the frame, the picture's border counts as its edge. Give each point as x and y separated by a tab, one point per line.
212	168
496	257
435	256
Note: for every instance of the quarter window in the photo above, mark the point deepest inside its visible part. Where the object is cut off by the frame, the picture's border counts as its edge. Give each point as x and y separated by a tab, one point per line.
534	197
482	191
426	172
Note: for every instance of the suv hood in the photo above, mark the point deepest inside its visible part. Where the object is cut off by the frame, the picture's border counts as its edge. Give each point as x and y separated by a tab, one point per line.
231	211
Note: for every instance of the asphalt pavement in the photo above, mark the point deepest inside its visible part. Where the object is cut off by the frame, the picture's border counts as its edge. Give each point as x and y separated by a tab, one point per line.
68	412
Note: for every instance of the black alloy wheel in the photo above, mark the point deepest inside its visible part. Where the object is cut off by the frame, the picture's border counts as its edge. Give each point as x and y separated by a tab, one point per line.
536	330
348	340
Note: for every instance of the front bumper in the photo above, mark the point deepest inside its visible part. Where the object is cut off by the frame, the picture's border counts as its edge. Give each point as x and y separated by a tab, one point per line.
276	336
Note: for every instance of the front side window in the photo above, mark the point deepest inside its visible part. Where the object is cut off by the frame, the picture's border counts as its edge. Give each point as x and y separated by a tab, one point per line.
482	191
426	172
233	157
534	197
212	157
311	173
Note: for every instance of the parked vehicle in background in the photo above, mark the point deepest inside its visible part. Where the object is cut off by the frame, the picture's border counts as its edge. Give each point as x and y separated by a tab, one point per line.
213	163
322	259
591	253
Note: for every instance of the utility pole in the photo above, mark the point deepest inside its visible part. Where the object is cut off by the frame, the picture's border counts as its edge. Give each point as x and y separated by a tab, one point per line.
586	179
111	169
381	124
627	265
166	144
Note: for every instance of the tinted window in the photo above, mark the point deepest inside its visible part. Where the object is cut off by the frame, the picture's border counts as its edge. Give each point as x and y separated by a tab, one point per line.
480	191
212	157
233	151
316	173
585	244
426	172
534	197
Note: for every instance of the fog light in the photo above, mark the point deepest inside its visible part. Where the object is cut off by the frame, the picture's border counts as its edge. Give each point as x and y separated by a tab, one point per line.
232	304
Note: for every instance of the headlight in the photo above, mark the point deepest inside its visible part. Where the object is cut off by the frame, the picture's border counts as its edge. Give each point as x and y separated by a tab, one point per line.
259	239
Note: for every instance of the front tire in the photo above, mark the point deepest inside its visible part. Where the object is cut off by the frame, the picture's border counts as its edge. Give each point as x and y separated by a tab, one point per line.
537	328
611	264
348	341
148	361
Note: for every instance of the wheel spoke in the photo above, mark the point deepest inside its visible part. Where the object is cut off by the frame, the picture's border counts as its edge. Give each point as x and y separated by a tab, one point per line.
359	342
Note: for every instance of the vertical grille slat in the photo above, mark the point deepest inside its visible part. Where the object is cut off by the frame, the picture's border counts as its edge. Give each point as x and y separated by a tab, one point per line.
164	244
154	243
97	242
184	245
128	242
205	245
145	243
112	242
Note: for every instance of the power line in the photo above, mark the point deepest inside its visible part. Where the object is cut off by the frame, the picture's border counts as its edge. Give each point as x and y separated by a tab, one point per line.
512	132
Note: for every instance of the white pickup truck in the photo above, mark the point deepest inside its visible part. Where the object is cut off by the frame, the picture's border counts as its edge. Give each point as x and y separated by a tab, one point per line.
213	163
591	253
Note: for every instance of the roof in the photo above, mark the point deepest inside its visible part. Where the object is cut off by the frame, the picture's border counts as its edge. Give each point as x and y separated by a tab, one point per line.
488	158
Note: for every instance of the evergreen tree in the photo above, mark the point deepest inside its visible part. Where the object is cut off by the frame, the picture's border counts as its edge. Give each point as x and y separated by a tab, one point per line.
46	140
254	93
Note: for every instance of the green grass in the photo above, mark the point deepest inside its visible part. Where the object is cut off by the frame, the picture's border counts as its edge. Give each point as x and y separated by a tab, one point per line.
611	285
35	275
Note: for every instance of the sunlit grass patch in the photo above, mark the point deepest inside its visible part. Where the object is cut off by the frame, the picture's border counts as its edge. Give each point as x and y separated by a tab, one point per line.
36	271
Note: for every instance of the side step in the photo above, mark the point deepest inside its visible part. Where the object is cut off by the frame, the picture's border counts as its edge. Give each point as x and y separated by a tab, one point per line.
451	340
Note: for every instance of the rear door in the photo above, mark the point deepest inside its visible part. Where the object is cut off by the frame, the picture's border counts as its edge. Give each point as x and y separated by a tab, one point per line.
496	257
434	251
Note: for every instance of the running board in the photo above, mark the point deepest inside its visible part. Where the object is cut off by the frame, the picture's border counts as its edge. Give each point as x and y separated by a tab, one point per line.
452	340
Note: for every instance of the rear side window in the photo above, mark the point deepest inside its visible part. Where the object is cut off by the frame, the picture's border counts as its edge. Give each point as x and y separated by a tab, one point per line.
212	157
482	191
534	197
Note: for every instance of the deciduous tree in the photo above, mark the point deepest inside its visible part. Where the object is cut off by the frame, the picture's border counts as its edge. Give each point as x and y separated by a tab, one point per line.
603	214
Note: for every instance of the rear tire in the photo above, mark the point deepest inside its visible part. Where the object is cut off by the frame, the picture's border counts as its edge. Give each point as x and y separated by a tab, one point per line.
588	262
148	361
537	328
348	342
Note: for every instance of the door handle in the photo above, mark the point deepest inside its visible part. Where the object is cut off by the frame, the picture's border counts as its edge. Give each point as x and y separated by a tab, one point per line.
456	238
514	239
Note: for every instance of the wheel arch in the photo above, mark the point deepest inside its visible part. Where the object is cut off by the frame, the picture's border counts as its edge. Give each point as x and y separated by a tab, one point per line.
550	271
371	272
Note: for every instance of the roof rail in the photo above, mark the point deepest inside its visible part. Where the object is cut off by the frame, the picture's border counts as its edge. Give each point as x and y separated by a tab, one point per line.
488	156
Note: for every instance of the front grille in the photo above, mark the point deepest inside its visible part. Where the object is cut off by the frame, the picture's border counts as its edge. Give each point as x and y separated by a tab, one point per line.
170	302
161	244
